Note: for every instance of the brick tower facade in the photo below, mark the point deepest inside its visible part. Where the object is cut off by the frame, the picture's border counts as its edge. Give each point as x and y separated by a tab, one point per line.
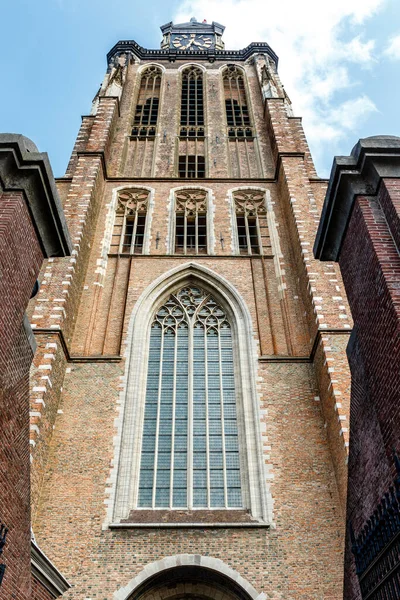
190	388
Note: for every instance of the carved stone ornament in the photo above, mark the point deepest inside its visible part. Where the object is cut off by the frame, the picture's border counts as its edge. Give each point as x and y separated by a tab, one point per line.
249	203
130	202
191	201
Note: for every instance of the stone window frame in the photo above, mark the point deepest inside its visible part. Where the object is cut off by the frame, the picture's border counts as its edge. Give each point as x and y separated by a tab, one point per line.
203	82
254	139
202	140
171	226
168	318
249	107
124	478
141	70
231	200
112	212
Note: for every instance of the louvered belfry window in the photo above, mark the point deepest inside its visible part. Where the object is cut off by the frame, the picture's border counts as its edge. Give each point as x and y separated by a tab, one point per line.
190	449
146	113
191	222
237	111
130	222
192	106
251	221
191	163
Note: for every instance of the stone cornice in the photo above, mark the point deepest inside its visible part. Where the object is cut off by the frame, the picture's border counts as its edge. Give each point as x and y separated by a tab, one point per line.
171	55
44	571
360	173
24	168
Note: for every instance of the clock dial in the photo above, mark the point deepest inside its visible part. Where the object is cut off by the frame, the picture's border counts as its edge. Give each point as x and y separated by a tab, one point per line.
192	41
203	41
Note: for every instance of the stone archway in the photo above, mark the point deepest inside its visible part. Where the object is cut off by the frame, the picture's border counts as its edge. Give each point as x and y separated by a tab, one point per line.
188	577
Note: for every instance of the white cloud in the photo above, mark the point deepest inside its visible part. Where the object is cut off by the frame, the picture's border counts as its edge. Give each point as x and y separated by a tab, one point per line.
318	44
393	48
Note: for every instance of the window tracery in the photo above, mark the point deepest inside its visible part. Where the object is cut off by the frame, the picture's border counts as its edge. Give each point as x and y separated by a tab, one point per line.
130	222
191	160
251	221
192	106
190	448
191	222
236	105
243	151
146	112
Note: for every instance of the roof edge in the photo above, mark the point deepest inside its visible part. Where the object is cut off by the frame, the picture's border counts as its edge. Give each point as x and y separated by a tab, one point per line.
371	159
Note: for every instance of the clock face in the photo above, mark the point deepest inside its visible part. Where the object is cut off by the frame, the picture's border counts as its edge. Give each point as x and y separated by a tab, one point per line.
192	41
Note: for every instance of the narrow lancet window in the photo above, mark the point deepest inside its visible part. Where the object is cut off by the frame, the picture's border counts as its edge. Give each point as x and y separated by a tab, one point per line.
191	222
130	222
251	222
236	105
191	163
146	113
190	448
192	106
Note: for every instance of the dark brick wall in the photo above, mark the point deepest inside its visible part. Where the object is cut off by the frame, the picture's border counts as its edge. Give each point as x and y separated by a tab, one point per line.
20	260
370	265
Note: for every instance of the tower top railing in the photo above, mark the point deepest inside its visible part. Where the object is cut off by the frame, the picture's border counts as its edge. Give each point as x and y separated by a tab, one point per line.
172	54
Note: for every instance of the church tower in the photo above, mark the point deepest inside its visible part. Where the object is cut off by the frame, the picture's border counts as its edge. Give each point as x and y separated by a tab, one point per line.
190	388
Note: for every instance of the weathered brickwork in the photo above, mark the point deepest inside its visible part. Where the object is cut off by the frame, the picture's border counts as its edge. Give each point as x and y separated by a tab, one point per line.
29	231
20	260
39	592
300	327
373	295
360	229
47	375
285	558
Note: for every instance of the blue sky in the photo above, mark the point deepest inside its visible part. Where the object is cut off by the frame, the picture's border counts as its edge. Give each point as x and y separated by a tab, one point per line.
339	62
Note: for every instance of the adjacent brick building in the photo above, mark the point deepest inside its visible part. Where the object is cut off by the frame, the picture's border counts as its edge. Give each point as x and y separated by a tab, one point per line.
360	229
32	227
190	390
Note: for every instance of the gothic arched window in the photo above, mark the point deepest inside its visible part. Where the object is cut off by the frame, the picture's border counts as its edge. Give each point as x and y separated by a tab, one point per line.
192	106
146	113
190	448
251	221
236	105
191	162
130	222
191	222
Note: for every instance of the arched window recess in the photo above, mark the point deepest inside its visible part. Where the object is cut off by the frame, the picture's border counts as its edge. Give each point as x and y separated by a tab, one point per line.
236	104
146	112
191	222
190	408
190	448
251	221
130	225
192	104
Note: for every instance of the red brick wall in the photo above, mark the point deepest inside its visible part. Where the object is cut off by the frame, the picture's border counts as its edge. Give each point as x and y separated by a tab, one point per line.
39	592
20	260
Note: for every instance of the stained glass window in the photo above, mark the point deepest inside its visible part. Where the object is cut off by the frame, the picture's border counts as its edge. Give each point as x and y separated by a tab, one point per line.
190	449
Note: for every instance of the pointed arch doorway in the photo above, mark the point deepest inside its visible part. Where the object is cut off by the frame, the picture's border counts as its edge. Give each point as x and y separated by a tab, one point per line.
188	577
